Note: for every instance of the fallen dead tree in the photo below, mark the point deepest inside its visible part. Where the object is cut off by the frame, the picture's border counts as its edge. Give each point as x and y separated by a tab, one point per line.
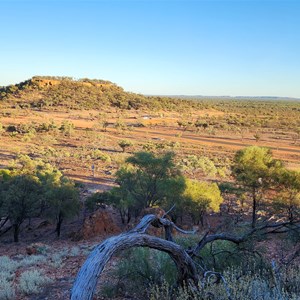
87	278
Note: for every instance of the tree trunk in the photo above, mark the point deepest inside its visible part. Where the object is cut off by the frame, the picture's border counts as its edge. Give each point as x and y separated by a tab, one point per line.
128	216
254	204
291	213
16	232
58	225
122	215
86	281
202	219
91	270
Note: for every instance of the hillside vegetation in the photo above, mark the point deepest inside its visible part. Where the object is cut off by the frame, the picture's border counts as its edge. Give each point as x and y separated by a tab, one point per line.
55	93
71	150
49	92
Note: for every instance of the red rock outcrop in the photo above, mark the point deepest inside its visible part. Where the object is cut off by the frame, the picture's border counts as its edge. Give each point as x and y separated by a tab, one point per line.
99	223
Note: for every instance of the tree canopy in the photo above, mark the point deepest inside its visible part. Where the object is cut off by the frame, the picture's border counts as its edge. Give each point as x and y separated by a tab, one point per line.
253	168
31	188
200	197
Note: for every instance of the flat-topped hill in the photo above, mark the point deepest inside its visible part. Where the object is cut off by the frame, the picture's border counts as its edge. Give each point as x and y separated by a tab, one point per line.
49	91
53	92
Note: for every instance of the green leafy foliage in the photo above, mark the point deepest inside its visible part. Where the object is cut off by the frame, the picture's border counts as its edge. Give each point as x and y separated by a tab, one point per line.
96	200
31	188
199	197
32	282
150	180
287	200
21	200
63	202
144	267
254	168
237	284
202	165
67	128
124	144
147	180
254	165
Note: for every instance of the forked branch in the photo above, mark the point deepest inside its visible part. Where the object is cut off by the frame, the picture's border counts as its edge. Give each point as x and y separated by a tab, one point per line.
87	278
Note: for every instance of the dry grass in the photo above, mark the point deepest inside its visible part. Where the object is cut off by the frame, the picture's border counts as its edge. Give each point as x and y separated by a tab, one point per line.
71	151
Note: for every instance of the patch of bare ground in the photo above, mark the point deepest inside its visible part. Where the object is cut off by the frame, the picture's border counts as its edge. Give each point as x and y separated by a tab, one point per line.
65	256
72	153
61	258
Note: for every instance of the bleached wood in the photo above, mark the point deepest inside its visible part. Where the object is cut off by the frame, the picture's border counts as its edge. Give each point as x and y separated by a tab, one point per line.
87	278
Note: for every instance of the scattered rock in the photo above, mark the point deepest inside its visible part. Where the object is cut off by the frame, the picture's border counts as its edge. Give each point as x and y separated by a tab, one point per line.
30	250
36	248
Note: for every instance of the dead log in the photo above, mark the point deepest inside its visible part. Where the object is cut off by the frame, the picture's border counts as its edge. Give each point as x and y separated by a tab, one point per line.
86	281
87	278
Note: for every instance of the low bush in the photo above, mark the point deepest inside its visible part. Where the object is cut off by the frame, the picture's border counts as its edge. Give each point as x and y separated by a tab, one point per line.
139	269
236	285
7	268
57	258
33	260
32	282
74	251
7	292
98	154
7	264
241	275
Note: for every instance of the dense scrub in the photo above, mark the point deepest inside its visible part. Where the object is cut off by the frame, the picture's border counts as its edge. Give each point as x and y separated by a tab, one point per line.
47	92
243	276
54	92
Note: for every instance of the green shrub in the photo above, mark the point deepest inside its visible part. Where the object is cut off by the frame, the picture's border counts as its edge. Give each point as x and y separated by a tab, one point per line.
221	255
124	144
47	126
58	257
141	268
201	164
74	251
32	282
47	139
7	264
236	283
7	269
33	260
97	200
67	128
244	276
7	291
97	154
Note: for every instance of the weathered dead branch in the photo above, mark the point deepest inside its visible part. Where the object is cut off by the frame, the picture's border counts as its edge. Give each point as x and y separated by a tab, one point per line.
265	229
87	278
91	270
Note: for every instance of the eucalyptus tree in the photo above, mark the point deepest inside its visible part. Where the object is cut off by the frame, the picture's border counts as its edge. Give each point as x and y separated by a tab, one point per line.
253	168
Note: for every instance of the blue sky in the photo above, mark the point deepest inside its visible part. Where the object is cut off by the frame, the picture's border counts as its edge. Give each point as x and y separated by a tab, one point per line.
156	47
